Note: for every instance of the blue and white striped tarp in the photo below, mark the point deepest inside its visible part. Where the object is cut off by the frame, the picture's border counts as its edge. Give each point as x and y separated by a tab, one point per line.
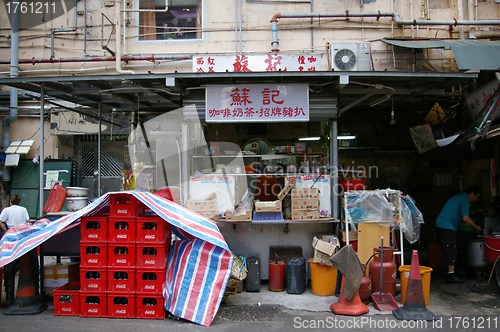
198	267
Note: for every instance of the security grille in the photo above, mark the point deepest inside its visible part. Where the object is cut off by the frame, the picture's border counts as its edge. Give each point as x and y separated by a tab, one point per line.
112	157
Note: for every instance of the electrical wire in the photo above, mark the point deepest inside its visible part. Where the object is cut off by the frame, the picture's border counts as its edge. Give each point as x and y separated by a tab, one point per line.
489	279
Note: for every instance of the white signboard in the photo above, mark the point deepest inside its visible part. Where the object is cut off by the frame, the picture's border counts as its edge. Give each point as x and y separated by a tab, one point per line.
476	101
257	103
256	63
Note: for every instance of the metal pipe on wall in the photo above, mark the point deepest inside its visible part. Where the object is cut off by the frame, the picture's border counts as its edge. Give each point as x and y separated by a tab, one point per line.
42	150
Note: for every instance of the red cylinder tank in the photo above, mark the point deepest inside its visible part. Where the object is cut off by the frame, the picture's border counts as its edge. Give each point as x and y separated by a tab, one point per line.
388	271
277	276
365	288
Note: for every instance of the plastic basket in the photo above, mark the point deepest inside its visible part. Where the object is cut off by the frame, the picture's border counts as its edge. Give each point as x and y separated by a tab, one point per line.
121	255
67	300
150	307
93	304
94	229
150	281
121	280
121	230
121	305
123	205
93	255
268	216
56	199
93	279
152	230
151	256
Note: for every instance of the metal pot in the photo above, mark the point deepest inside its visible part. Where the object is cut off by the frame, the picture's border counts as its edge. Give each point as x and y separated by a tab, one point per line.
76	203
77	192
476	254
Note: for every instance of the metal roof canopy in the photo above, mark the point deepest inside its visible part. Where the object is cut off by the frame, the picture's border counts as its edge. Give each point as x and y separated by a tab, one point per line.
468	53
150	94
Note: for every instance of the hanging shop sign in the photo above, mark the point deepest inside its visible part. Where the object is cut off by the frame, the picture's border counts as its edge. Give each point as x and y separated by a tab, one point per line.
256	63
477	100
257	103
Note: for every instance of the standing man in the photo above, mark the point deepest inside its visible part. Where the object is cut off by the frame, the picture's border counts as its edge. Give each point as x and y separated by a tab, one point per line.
14	214
455	211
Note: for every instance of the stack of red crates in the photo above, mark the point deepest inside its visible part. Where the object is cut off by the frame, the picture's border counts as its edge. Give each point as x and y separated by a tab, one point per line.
123	259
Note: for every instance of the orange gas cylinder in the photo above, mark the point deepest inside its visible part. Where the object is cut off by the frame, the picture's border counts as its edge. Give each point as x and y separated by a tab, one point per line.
388	271
365	288
277	276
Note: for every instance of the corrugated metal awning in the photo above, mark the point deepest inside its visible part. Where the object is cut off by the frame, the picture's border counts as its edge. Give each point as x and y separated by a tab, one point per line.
468	53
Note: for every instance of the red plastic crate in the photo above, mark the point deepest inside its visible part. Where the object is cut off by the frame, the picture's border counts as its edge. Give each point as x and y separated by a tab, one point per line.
94	229
121	255
67	300
93	304
150	307
151	256
93	279
121	230
93	254
124	205
152	230
121	280
150	281
121	305
56	199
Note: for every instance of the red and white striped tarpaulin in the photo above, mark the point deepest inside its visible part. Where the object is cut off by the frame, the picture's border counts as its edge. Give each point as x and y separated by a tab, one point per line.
198	266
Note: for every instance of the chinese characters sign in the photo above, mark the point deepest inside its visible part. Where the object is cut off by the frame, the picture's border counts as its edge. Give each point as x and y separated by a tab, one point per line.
476	101
256	63
257	103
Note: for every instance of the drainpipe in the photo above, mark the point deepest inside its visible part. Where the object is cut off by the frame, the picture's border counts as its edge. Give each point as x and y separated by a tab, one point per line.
54	31
460	6
118	41
14	72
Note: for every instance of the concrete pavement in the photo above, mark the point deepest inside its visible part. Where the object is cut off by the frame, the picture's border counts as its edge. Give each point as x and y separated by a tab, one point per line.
458	309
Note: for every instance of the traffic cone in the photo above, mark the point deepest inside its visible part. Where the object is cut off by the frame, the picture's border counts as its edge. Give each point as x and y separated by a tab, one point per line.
349	308
414	306
25	302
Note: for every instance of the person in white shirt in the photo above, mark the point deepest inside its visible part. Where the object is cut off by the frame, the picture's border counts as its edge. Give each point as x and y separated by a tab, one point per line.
14	214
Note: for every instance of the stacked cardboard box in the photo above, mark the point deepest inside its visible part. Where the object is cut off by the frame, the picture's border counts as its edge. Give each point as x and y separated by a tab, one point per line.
323	251
206	207
274	206
305	204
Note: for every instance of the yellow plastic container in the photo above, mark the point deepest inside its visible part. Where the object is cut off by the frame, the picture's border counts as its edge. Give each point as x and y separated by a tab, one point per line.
425	274
323	279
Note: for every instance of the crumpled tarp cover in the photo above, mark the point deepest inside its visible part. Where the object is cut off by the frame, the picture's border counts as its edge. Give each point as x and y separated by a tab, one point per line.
198	267
383	207
347	262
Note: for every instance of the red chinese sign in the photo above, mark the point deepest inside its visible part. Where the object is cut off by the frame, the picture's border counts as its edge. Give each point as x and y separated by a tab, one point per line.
257	103
256	63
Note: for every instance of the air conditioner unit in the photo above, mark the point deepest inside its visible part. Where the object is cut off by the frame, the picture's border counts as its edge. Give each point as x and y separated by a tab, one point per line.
351	56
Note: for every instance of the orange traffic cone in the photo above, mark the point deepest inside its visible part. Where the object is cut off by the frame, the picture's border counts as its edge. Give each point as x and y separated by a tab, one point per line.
349	308
25	302
414	306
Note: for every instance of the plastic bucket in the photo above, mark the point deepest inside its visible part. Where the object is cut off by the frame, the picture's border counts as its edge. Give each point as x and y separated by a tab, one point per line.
352	184
435	256
323	279
492	244
425	274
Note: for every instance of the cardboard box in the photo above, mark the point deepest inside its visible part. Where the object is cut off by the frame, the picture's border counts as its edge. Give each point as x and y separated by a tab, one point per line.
305	204
200	205
323	251
287	188
353	236
57	275
269	206
230	217
305	193
214	215
305	215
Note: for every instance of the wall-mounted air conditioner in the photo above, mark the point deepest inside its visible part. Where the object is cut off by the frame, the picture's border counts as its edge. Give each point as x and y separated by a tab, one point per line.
351	56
